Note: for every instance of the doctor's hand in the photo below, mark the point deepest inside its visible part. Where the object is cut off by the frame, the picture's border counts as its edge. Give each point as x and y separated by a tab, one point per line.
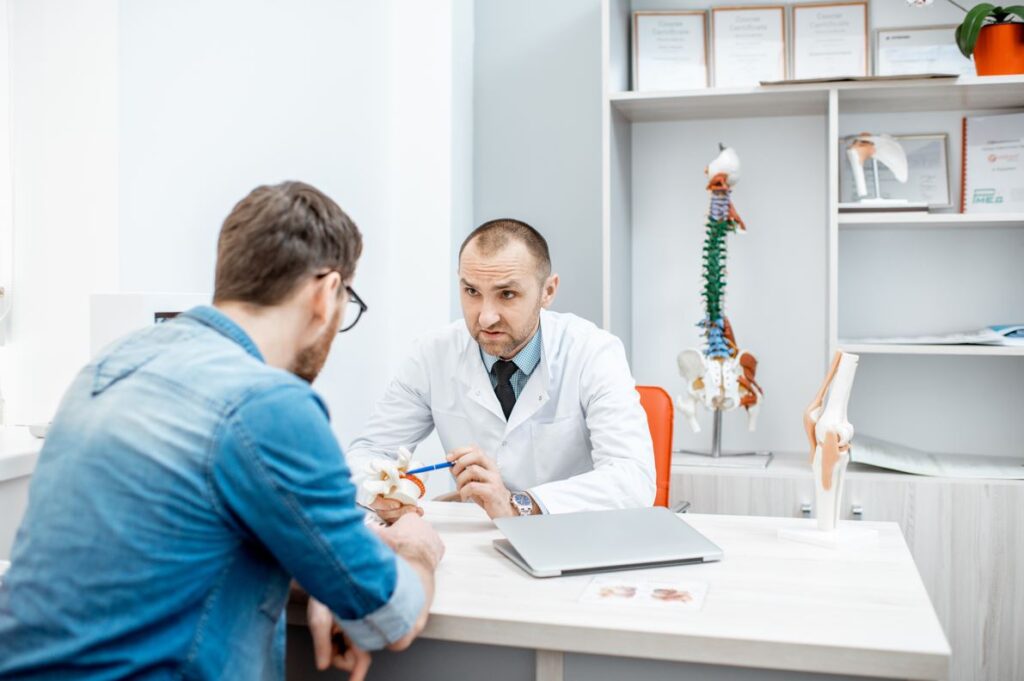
477	479
331	647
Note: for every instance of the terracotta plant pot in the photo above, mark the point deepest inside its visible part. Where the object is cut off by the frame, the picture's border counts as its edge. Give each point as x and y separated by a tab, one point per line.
1000	50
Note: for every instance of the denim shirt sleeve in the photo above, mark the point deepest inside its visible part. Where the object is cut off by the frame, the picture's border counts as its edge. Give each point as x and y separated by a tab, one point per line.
279	474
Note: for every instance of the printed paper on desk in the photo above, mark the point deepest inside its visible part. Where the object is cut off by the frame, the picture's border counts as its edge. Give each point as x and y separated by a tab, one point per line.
624	591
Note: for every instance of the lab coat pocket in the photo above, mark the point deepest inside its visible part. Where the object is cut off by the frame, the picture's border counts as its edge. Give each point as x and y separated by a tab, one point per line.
560	449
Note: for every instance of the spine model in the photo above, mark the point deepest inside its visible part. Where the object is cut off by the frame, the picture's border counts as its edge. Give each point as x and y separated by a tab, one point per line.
715	255
721	376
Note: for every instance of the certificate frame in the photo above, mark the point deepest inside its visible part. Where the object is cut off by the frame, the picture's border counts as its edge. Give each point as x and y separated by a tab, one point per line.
717	56
916	189
967	68
636	47
817	6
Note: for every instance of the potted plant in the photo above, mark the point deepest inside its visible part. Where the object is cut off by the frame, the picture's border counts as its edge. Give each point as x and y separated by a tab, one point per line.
995	39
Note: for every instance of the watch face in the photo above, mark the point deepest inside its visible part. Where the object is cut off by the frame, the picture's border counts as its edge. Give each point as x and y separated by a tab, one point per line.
522	499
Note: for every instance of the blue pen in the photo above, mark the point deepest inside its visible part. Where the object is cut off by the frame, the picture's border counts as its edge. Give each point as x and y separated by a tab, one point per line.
435	467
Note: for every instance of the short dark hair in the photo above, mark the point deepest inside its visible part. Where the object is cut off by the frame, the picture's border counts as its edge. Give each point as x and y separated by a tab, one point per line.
277	235
494	235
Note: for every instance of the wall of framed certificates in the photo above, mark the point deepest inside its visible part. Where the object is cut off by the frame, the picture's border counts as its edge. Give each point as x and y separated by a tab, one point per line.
747	45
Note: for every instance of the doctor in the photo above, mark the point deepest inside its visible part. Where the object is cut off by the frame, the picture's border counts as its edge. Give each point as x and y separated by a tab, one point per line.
537	409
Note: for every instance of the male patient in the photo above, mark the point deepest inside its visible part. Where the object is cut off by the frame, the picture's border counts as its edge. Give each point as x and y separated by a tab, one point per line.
190	473
537	410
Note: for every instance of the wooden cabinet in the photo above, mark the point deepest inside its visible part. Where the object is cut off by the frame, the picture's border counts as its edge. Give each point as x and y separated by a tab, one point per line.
966	537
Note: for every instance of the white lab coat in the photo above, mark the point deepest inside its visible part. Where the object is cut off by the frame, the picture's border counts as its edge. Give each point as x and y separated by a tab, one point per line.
576	440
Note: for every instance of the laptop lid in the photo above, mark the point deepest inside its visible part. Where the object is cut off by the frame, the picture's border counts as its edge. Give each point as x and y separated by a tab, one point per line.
593	541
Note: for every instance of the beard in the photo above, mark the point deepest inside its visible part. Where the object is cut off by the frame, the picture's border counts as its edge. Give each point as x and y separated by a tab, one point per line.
505	346
310	361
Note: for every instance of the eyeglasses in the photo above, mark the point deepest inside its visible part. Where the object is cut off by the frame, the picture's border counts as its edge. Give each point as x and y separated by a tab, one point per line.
353	299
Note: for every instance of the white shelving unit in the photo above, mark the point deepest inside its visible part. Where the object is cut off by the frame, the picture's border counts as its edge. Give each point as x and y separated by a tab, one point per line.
806	275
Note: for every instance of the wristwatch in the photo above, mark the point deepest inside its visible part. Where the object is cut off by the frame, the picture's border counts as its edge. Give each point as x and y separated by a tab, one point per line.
522	502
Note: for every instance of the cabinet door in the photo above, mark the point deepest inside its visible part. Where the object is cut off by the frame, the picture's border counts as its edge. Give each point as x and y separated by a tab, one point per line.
727	493
967	539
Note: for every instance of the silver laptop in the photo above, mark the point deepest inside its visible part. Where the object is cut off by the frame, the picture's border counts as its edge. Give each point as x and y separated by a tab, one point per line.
602	541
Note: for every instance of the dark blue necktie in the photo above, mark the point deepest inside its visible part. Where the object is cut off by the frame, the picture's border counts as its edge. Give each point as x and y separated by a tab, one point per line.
503	370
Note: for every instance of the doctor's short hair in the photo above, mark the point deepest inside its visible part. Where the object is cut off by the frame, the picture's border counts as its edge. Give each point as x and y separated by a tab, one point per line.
278	235
494	235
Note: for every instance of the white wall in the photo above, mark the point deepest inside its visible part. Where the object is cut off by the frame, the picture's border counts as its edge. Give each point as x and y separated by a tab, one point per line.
352	97
201	102
64	120
537	133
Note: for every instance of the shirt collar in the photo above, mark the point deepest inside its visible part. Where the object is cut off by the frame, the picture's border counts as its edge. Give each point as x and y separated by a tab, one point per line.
526	360
222	324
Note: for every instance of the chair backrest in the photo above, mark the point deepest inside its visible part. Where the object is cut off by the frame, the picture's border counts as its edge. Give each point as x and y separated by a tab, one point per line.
660	413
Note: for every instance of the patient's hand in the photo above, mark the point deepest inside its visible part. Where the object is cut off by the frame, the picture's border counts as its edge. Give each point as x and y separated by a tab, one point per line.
331	647
391	510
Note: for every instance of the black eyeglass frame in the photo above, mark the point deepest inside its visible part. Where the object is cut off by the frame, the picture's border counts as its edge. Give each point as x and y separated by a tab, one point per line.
353	297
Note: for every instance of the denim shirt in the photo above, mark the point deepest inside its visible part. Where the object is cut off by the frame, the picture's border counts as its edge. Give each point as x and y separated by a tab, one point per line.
182	484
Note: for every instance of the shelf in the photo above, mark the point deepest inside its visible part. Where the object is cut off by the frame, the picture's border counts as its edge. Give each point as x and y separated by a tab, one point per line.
966	93
927	94
783	100
959	350
929	220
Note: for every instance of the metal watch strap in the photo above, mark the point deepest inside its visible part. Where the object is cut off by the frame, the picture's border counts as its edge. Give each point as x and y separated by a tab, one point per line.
523	507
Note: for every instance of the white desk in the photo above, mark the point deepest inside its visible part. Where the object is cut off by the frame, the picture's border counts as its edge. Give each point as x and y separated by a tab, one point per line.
19	452
771	605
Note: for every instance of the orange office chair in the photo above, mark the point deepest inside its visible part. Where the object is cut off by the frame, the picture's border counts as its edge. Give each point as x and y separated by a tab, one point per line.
660	412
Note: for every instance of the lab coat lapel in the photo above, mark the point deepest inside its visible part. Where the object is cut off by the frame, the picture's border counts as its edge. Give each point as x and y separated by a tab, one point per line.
475	383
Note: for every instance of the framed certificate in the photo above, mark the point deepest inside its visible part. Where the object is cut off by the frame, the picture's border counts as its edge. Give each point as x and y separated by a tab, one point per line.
830	40
993	164
749	45
930	49
927	172
670	51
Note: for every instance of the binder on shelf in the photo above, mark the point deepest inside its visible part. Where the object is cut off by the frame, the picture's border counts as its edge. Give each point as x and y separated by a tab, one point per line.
992	175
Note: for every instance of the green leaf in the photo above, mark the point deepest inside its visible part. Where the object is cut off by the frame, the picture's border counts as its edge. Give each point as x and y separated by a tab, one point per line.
1017	10
967	33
